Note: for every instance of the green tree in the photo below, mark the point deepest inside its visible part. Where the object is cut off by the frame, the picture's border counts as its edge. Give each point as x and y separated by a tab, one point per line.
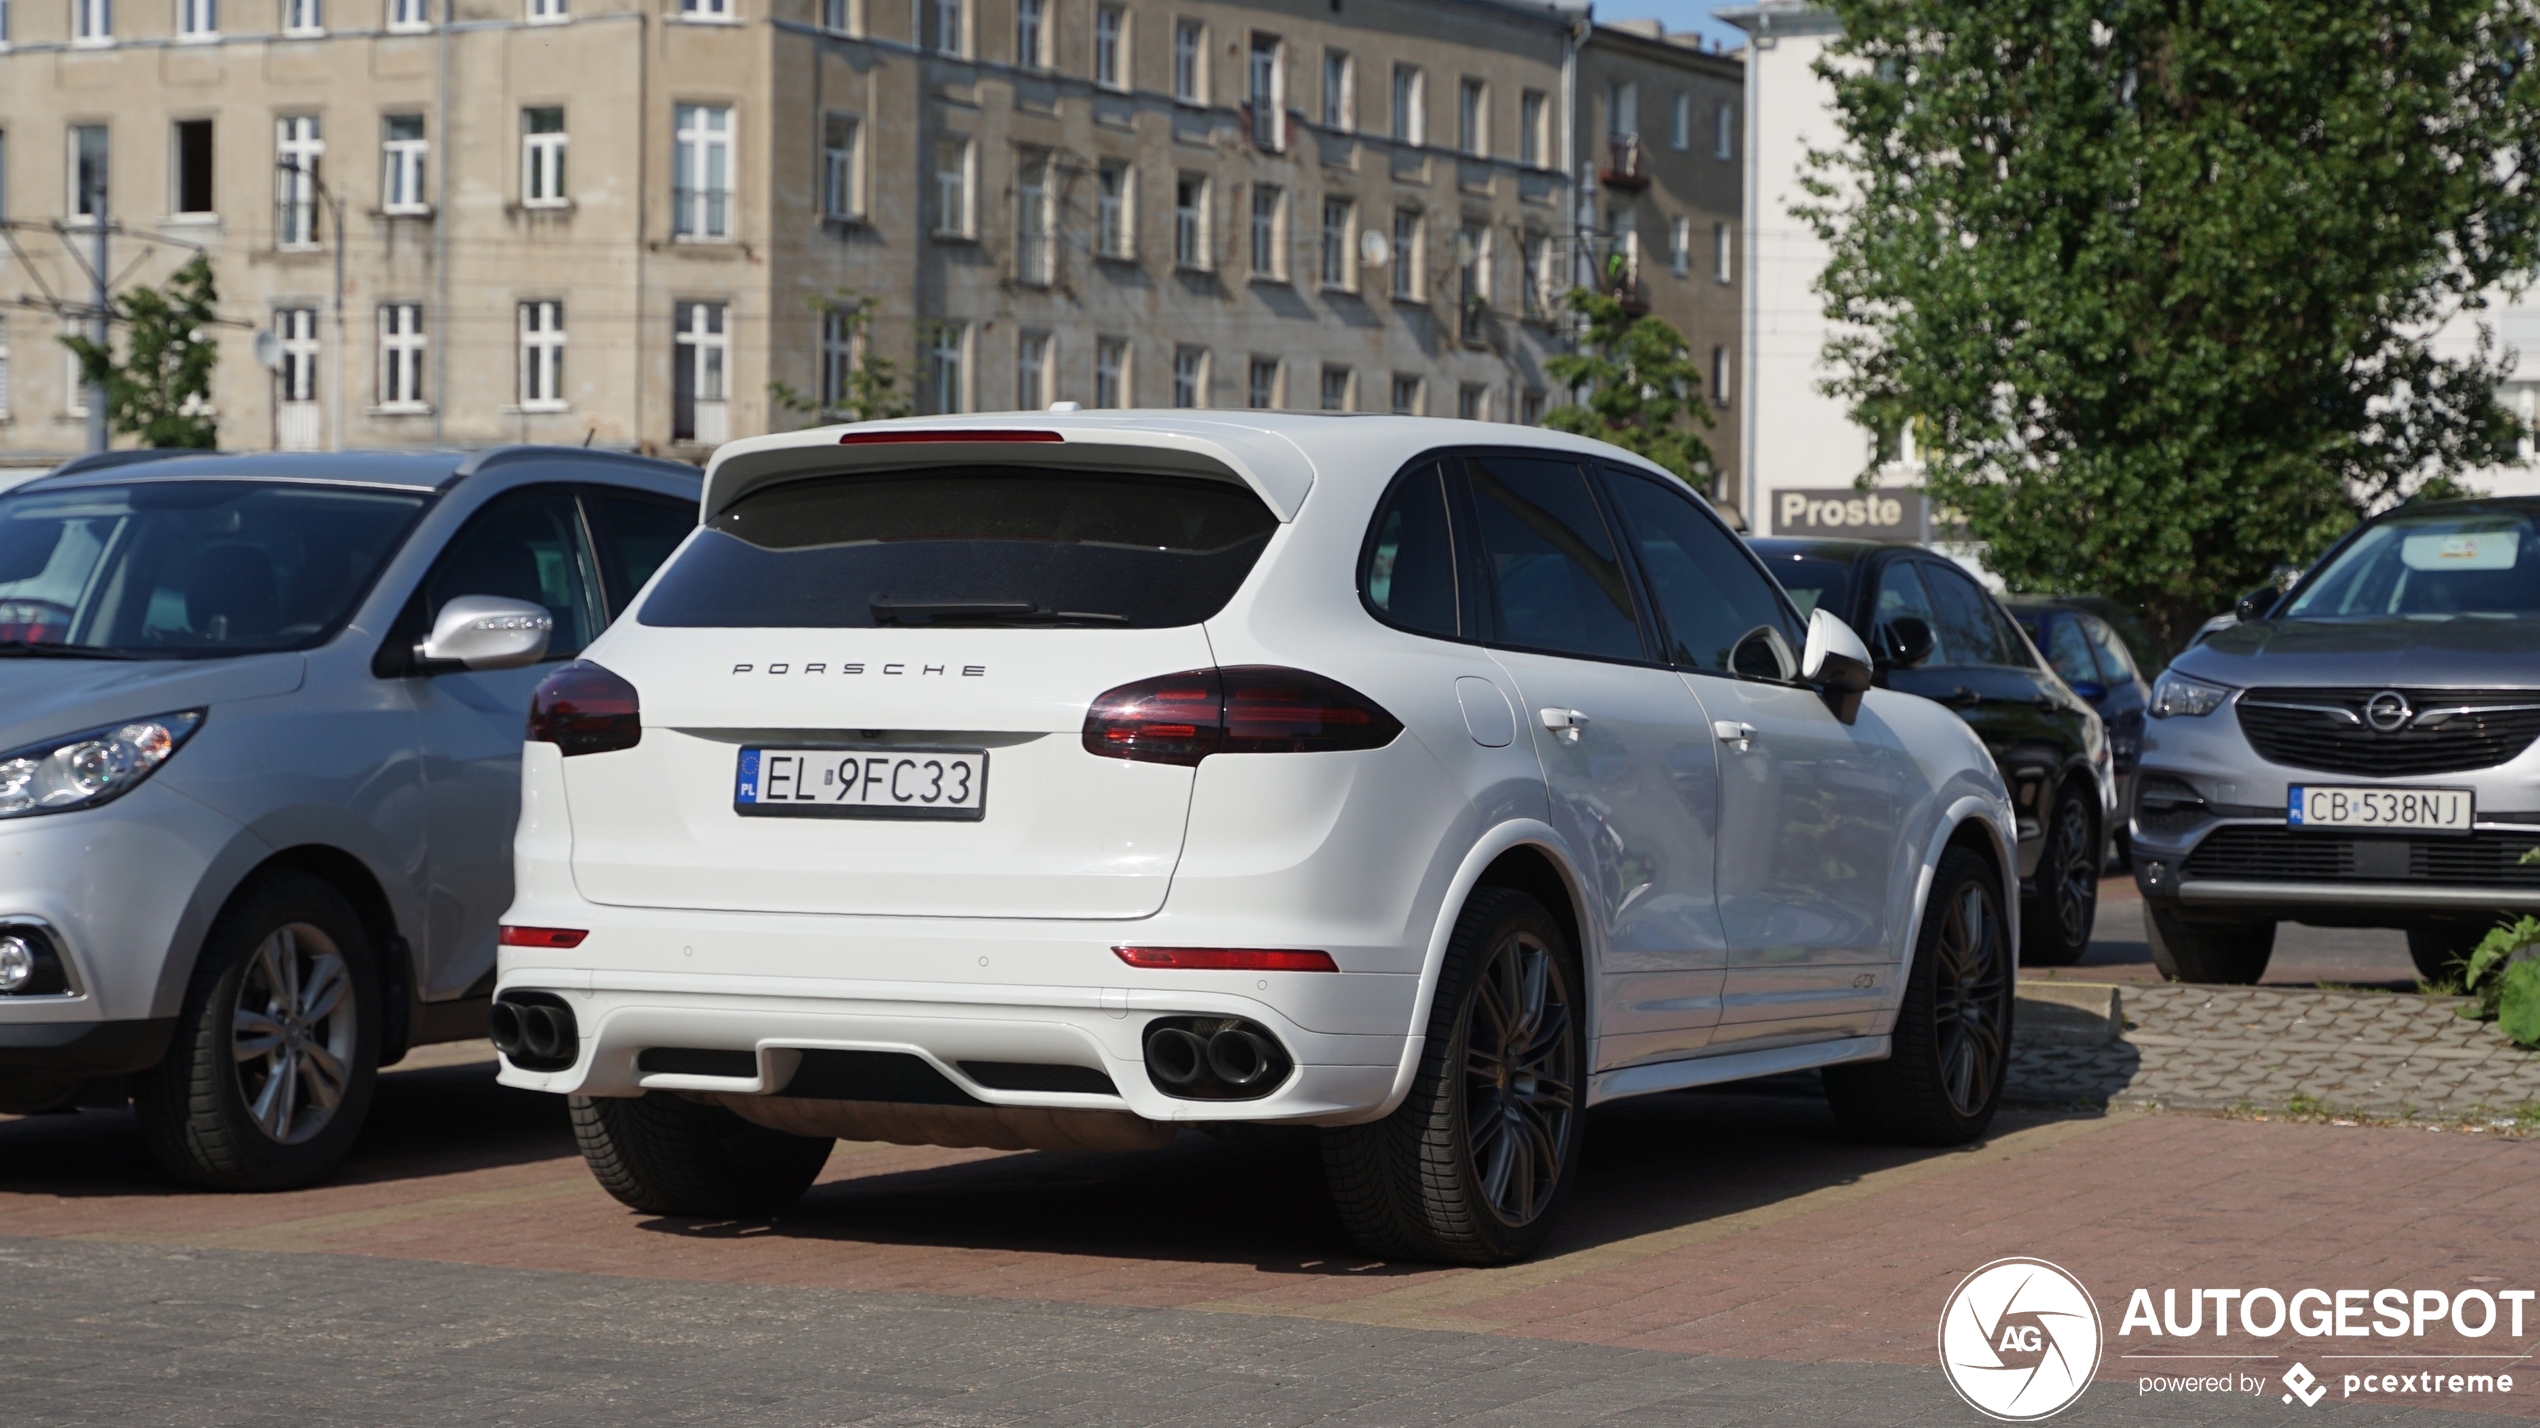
1642	391
2150	280
160	389
872	382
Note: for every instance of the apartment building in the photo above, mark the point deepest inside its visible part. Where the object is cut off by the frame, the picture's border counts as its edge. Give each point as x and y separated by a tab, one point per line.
624	221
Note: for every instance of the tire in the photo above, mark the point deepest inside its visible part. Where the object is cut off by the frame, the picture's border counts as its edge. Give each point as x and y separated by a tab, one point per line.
2440	948
1942	1081
2229	953
276	1051
2055	924
666	1155
1473	1166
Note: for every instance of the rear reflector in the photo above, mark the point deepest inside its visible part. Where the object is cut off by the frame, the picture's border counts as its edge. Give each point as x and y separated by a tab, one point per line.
543	936
1227	959
915	438
585	708
1247	709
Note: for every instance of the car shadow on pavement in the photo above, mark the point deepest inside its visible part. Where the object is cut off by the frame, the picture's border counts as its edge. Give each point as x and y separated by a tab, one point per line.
1653	1164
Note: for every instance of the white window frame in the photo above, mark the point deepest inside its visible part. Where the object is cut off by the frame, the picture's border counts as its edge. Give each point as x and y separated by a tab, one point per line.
1622	109
403	344
948	368
303	19
1339	266
1720	384
1410	105
1035	218
1723	255
1348	387
1111	373
1032	34
1266	90
1724	132
1261	397
956	185
1410	255
547	12
296	329
702	150
92	22
1534	132
841	167
1268	249
76	200
403	164
837	358
1472	401
1680	123
1680	246
542	341
1417	386
706	12
74	382
1472	117
1340	91
409	17
704	341
1190	62
1111	47
299	151
1193	248
197	21
1116	209
1035	357
951	19
842	17
1190	378
4	366
542	159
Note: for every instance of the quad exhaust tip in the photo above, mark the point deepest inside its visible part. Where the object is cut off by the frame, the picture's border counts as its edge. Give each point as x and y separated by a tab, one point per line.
1200	1058
534	1031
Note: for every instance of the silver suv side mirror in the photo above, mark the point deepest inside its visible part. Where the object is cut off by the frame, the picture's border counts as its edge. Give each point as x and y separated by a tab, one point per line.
488	632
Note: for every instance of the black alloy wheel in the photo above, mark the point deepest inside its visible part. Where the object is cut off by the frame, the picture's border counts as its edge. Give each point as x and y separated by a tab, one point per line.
2056	922
1942	1080
1969	975
1520	1077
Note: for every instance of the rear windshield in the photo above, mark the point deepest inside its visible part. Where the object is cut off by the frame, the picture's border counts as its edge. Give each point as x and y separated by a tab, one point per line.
2482	564
979	546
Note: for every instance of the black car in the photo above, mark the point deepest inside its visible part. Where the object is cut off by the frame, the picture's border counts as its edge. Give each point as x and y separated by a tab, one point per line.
1933	631
2086	643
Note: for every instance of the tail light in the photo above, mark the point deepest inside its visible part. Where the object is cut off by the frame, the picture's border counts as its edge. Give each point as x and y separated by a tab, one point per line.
1226	959
1248	709
585	709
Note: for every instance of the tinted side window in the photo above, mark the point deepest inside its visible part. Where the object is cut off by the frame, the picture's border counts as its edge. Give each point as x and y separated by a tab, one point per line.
1708	592
636	534
1971	631
2068	650
1409	577
2112	651
1555	579
526	546
1901	593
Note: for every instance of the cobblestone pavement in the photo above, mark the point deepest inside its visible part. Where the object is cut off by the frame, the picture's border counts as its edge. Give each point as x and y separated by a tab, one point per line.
2224	1048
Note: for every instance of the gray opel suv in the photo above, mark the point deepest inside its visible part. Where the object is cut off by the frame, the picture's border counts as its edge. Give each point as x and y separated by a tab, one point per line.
2355	752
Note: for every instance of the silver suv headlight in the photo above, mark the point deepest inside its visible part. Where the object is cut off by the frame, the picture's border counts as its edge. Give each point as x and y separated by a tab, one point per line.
2174	694
86	769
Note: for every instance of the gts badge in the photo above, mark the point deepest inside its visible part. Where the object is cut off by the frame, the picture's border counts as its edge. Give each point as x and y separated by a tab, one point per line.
965	671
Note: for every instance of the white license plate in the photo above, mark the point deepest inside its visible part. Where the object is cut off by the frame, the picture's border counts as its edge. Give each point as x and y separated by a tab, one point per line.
862	783
2423	810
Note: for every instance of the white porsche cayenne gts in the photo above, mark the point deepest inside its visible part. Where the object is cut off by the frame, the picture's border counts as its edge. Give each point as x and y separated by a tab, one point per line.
1062	780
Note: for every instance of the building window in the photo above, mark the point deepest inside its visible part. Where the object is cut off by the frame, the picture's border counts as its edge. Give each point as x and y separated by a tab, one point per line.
303	18
1408	259
1680	123
92	22
1261	386
405	17
401	158
1530	407
1680	246
74	384
295	381
1472	280
1190	61
193	167
955	175
1724	132
1035	249
1269	222
1190	377
401	357
542	157
198	19
88	154
1410	125
1535	251
1340	229
547	12
4	366
1032	372
542	356
1340	91
1190	222
1111	47
1335	389
1111	372
950	27
837	359
1116	211
1472	117
1722	260
1406	394
1622	110
700	366
705	9
840	137
1268	93
841	17
1534	128
1472	402
701	171
1719	374
299	149
1031	35
944	366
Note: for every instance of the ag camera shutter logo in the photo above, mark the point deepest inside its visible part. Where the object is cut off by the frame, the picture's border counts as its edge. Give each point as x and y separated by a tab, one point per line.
2019	1340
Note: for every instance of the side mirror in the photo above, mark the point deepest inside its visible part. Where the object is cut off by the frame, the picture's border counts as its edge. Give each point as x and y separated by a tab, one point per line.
487	632
2090	690
1836	662
1909	641
2256	604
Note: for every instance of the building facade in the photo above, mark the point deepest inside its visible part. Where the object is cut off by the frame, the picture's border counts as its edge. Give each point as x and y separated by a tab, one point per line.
662	223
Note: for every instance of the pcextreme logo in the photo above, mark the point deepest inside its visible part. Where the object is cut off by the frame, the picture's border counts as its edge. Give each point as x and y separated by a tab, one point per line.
2019	1340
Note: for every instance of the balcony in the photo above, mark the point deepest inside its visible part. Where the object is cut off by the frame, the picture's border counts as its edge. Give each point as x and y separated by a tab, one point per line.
1625	165
1622	282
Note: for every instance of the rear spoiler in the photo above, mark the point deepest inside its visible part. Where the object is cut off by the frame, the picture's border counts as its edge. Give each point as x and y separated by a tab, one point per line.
1272	466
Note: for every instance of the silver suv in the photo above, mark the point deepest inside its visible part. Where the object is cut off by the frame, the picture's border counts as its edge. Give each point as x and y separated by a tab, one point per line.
2356	752
260	728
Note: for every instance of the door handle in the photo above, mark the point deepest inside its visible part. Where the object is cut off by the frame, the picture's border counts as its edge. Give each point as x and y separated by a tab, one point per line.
1568	723
1731	731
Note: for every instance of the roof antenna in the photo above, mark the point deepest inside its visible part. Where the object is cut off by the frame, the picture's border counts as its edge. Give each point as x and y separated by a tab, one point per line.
586	437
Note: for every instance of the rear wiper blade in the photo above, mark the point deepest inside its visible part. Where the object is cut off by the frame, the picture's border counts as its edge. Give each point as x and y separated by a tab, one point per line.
23	649
890	611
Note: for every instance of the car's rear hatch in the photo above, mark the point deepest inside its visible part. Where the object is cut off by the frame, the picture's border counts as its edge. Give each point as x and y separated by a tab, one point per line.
971	610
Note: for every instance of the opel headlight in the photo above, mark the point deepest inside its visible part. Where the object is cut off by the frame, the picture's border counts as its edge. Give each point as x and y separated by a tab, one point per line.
90	768
2174	694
